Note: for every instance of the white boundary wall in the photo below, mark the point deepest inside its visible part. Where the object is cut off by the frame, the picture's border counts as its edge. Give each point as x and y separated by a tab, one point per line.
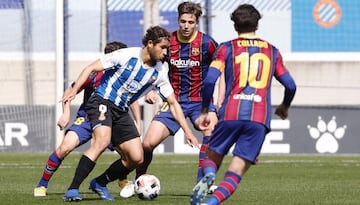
322	78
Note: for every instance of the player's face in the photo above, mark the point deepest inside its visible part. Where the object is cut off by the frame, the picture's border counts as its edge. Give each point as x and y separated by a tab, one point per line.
158	51
187	25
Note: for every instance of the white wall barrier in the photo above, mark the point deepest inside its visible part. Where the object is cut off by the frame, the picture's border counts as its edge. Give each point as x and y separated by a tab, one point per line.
309	130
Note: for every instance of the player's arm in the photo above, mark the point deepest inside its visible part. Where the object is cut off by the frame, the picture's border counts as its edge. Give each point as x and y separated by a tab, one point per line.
209	83
290	89
84	75
284	77
221	90
151	97
135	109
65	117
178	114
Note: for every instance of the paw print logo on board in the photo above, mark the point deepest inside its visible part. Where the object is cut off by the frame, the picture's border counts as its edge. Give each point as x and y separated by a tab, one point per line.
327	135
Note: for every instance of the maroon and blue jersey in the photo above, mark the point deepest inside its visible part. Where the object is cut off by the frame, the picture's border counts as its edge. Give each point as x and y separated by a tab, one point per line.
250	64
89	87
189	64
81	125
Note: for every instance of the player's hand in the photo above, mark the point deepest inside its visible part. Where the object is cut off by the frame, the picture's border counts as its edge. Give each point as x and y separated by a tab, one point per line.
203	122
69	95
192	140
63	122
151	97
282	111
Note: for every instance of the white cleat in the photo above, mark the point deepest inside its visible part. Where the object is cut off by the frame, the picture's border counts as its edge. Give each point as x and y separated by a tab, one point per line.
128	190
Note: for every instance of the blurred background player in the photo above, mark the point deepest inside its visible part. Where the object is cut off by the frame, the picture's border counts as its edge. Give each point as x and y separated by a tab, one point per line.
129	74
190	54
249	64
80	131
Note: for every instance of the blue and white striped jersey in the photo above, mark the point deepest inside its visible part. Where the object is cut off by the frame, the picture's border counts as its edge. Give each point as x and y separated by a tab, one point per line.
126	78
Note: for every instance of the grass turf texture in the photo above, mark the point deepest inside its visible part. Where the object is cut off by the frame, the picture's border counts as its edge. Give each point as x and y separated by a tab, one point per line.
278	179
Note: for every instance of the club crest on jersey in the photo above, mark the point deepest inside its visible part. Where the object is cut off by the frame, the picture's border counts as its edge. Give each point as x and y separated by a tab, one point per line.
195	51
133	86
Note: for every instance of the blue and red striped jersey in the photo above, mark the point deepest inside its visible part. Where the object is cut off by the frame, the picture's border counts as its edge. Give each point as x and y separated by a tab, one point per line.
189	63
89	87
91	84
249	64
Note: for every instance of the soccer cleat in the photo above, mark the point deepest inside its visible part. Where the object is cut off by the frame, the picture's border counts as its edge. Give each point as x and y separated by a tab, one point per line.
128	190
122	183
72	195
102	191
212	189
201	189
40	191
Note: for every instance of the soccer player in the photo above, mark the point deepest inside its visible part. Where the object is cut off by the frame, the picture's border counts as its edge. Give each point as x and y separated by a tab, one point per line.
129	74
79	132
190	55
249	64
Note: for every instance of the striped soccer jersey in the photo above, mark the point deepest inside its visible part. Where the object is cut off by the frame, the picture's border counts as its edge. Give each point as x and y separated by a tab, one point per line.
189	63
126	78
89	87
251	64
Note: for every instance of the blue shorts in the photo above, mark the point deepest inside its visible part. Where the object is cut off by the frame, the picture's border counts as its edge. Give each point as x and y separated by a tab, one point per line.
247	136
82	128
191	110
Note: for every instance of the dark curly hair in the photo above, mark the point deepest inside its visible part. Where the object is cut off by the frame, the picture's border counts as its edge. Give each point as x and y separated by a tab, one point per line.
246	18
112	46
155	34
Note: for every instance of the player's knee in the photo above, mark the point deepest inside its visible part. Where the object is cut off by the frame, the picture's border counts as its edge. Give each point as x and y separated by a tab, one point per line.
135	160
64	149
148	146
99	145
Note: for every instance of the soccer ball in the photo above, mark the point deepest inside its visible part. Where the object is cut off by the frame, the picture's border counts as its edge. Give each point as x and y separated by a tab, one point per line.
147	187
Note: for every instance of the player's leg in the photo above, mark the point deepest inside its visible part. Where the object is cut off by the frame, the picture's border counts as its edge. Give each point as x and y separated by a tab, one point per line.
207	134
222	139
156	133
69	143
127	139
132	157
101	140
194	110
246	151
206	137
232	178
127	186
209	168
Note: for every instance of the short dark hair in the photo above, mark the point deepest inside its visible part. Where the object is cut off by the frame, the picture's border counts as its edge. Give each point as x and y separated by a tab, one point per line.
188	7
246	18
155	34
113	46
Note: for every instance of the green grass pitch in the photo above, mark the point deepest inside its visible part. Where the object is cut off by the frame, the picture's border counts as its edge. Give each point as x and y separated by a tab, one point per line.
276	180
